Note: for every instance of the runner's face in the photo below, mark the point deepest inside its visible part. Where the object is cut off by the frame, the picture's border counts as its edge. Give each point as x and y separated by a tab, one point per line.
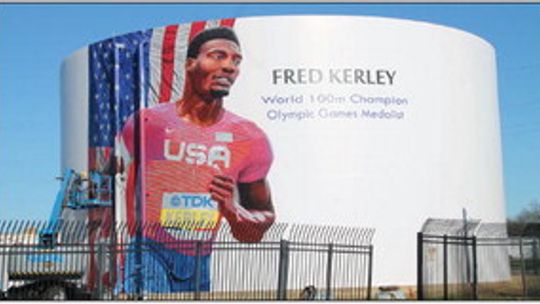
216	67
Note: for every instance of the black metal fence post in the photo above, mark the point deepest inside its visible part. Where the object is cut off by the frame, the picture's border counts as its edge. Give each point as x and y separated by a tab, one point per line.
535	256
283	269
419	266
113	252
475	269
329	270
198	270
4	261
522	265
445	266
370	272
138	268
99	272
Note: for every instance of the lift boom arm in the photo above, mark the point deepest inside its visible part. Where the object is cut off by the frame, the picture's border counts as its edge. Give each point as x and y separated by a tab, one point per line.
76	192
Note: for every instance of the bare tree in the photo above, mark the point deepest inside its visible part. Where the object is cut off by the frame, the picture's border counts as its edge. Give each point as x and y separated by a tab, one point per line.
526	217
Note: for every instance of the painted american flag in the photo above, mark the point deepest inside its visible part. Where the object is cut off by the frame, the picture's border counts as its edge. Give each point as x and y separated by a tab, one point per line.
126	73
115	85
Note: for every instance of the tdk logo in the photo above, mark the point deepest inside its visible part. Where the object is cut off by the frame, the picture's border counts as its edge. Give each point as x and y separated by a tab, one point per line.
188	201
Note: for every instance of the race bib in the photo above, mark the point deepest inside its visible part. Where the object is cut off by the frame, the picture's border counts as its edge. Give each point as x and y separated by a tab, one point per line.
189	211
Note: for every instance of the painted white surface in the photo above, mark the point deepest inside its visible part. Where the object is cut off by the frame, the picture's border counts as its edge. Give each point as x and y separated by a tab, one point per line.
390	174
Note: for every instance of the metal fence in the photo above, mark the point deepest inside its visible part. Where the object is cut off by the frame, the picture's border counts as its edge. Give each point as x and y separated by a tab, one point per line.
93	261
477	267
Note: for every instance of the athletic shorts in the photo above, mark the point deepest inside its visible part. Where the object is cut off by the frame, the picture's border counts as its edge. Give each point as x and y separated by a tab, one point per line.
163	270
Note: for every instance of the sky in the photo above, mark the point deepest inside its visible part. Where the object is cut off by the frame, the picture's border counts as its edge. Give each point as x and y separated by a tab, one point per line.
35	38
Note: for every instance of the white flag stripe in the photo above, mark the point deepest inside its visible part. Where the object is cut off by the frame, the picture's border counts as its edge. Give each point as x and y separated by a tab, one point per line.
212	24
156	45
180	53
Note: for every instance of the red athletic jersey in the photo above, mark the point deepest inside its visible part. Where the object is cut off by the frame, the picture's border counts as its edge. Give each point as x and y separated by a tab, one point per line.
180	160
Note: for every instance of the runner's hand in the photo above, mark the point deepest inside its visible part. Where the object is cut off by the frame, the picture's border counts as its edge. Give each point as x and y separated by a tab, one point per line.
222	191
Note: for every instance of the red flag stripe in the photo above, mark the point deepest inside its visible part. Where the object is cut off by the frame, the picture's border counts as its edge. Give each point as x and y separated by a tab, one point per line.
167	63
229	22
196	27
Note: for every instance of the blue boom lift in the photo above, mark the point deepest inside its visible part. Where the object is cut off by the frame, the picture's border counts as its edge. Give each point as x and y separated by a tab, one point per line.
43	270
77	192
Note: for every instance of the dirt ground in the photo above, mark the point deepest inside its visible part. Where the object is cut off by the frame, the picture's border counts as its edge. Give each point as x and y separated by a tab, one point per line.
507	290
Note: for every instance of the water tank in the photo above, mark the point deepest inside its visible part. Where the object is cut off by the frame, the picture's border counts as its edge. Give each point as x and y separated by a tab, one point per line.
373	122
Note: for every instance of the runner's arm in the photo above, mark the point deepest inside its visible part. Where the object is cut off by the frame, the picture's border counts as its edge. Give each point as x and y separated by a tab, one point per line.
254	214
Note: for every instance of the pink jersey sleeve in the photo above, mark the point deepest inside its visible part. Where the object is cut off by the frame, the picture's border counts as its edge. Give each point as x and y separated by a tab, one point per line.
260	158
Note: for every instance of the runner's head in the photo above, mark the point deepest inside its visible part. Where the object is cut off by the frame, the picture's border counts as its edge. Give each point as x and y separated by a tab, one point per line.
213	62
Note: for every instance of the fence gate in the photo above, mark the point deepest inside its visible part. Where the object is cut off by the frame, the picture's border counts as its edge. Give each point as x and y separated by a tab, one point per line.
447	267
327	263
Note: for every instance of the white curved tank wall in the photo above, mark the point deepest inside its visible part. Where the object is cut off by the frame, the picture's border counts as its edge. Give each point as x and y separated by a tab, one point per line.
74	114
74	120
430	156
